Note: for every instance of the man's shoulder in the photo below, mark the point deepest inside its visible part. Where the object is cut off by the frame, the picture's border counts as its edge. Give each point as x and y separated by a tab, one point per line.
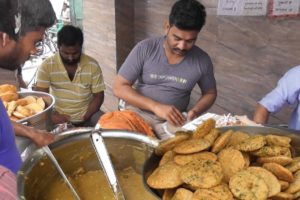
196	50
88	61
292	74
52	59
152	41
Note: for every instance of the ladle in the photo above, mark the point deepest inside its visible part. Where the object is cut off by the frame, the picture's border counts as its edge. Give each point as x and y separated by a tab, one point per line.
104	159
56	164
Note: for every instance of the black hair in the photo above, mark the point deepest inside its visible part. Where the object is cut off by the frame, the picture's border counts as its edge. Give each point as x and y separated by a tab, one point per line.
187	15
8	11
70	35
17	17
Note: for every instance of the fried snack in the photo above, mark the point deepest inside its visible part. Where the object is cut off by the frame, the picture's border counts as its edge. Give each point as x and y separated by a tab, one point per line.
295	185
192	146
216	193
41	102
232	161
212	135
165	176
281	160
204	128
283	196
236	138
30	99
34	107
13	118
276	140
18	115
5	104
182	194
11	106
9	96
169	144
221	141
296	195
184	159
4	88
247	159
294	166
247	186
202	173
283	185
279	171
168	194
267	151
24	111
254	142
22	102
271	181
167	157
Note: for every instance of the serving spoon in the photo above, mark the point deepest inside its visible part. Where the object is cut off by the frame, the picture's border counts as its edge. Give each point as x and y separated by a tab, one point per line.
105	161
49	153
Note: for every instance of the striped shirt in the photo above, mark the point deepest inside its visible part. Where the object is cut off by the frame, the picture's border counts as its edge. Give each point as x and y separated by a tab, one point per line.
72	97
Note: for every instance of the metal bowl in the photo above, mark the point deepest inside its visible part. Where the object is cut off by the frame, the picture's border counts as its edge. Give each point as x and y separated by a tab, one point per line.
152	163
41	120
74	151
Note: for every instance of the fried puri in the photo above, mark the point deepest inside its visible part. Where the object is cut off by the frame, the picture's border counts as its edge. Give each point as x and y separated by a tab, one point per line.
202	173
165	176
169	144
247	186
271	181
186	158
192	146
232	161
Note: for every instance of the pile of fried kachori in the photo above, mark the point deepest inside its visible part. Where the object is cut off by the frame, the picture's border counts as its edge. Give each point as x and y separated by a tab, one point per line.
209	165
19	108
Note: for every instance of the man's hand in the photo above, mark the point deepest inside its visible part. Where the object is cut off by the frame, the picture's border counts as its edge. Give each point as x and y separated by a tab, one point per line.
169	113
39	137
59	118
192	114
42	138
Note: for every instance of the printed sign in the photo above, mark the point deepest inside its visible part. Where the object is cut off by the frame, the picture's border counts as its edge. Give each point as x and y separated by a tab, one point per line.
242	7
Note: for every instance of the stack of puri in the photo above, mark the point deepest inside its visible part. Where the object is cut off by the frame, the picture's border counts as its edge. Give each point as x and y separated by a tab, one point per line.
19	108
208	165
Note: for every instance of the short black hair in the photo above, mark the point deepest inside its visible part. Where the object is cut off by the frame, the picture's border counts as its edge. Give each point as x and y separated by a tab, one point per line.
8	11
17	17
70	35
187	15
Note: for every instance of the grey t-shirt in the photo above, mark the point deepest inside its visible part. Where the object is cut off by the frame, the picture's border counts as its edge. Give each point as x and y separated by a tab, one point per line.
163	82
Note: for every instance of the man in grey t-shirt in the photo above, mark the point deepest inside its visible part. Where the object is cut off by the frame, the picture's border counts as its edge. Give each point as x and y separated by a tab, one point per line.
166	69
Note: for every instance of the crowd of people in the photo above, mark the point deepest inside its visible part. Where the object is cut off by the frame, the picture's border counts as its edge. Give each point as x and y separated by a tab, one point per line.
155	81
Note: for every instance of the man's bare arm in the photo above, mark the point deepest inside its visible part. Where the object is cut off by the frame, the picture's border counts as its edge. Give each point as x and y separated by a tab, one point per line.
203	104
261	114
94	105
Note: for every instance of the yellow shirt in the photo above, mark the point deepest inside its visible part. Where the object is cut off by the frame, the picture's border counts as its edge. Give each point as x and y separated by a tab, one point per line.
71	97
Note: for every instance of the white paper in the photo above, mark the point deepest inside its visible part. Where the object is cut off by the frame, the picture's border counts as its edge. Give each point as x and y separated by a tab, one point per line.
285	7
242	7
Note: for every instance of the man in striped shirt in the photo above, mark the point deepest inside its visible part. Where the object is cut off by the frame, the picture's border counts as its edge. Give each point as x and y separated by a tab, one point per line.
74	79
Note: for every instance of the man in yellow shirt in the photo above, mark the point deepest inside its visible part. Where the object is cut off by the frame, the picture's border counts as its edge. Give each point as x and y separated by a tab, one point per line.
74	79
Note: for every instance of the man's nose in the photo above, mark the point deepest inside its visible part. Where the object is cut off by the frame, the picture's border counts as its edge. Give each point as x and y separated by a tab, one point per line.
181	45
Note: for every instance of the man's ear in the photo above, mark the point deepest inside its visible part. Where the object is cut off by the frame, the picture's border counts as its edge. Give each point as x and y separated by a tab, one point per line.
4	39
166	27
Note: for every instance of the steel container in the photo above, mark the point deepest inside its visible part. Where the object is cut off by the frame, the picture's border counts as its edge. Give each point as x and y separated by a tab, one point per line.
75	151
